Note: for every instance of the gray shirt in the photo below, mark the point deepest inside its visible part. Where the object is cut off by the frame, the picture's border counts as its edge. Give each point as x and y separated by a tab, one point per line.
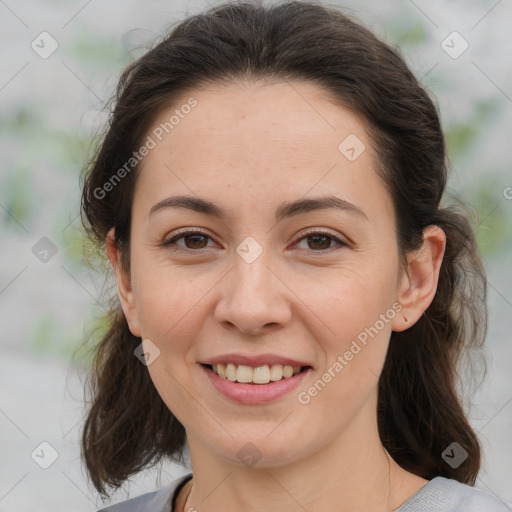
438	495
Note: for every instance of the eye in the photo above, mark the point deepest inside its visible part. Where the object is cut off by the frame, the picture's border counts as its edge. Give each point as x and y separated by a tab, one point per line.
321	240
193	240
197	239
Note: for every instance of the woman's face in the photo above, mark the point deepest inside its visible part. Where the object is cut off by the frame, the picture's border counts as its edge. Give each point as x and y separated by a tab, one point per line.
267	280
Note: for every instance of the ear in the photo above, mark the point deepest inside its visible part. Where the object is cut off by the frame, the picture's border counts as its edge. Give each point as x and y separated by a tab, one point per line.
418	284
124	290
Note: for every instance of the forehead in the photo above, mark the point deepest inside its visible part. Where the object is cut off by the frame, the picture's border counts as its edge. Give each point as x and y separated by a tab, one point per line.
252	139
300	112
279	116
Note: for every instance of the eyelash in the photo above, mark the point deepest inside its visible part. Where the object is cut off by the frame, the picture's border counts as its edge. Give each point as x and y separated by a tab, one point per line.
172	242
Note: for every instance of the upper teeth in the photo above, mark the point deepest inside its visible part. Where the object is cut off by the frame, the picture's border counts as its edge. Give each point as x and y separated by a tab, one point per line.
259	375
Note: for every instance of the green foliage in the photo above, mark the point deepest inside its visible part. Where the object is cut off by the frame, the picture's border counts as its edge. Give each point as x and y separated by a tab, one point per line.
492	232
96	327
107	52
48	337
18	198
461	137
51	338
408	35
73	243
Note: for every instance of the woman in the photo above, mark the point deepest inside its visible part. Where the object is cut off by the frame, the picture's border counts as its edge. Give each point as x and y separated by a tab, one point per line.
293	300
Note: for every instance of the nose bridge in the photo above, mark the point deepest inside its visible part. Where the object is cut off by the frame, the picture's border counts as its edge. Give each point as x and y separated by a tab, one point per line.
252	273
252	279
252	294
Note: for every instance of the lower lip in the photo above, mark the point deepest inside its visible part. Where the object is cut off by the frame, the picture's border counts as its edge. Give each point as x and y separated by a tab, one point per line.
254	393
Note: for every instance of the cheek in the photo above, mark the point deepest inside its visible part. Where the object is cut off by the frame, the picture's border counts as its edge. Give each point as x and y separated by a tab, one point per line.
171	386
166	297
353	304
356	325
354	361
171	312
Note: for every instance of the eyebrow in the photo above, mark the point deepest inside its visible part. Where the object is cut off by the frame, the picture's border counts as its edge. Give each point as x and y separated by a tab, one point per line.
285	210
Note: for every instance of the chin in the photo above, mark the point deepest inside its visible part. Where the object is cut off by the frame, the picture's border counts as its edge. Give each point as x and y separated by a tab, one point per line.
259	452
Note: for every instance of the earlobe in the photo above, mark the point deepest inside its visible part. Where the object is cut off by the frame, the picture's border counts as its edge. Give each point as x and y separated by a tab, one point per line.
124	289
418	284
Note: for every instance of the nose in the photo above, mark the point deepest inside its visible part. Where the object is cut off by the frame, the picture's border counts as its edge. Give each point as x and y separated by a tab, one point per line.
254	299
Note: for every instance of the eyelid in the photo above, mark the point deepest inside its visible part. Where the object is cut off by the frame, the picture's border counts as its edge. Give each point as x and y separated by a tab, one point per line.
320	231
184	232
341	241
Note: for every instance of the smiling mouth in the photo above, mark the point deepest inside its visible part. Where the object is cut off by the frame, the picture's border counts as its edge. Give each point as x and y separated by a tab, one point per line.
255	375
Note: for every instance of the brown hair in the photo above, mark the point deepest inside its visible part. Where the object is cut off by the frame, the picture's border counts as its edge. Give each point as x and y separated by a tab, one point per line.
128	426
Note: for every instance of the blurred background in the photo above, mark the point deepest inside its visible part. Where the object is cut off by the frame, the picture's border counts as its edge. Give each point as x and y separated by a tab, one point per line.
59	64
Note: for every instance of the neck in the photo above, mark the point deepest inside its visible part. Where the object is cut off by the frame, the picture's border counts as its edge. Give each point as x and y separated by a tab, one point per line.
352	473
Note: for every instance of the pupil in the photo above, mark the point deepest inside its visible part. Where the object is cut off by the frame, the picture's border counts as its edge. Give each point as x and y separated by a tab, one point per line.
194	237
322	237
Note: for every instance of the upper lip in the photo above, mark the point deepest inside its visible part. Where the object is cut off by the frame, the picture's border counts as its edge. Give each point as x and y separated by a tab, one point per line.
261	360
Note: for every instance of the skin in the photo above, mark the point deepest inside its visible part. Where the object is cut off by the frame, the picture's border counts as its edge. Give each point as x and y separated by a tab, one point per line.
248	147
